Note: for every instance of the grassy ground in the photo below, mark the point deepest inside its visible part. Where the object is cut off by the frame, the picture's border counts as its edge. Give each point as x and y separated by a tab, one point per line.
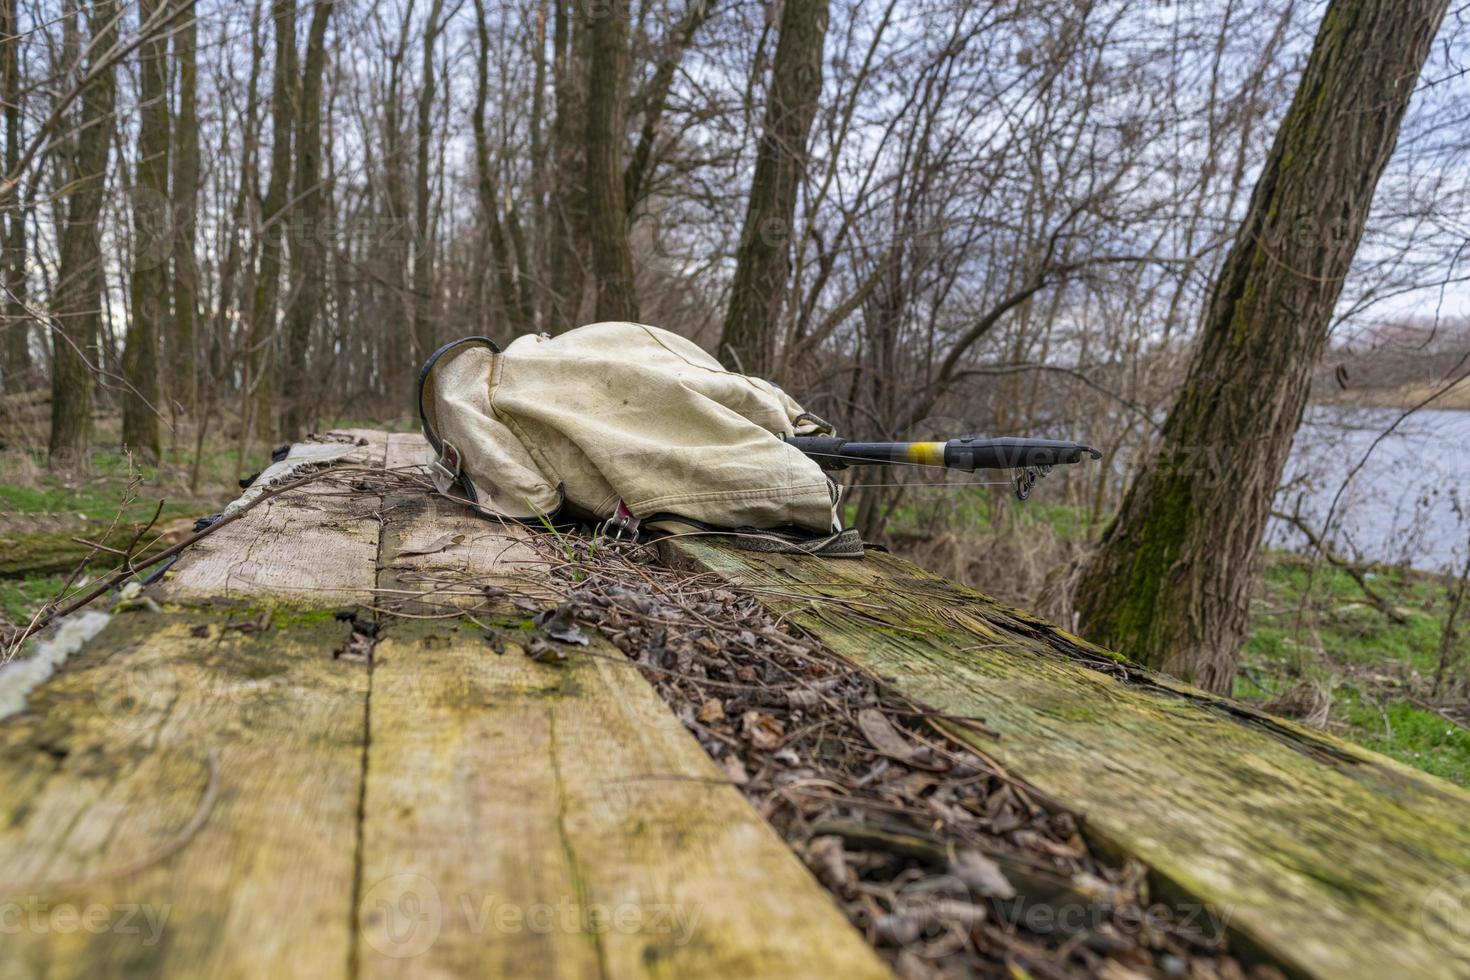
1316	644
20	596
42	511
44	515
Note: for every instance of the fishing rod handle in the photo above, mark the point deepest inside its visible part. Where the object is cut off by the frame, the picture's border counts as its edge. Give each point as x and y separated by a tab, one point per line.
965	453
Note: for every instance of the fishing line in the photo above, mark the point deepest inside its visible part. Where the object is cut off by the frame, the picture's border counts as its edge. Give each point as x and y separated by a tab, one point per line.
961	483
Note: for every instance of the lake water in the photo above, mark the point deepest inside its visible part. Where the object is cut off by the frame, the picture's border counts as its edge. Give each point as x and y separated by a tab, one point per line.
1409	503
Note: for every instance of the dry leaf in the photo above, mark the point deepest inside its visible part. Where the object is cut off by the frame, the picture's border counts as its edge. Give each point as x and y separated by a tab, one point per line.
763	731
912	966
735	770
560	624
828	861
711	711
981	875
803	698
544	653
1113	970
446	541
881	734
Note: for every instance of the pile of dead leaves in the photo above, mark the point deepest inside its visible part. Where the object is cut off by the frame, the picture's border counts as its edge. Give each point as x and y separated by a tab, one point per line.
951	866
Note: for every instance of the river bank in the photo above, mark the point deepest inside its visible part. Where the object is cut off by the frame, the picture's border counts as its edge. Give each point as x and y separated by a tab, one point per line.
1401	397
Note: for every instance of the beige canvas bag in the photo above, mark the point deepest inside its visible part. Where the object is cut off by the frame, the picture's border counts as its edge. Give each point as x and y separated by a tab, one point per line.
619	422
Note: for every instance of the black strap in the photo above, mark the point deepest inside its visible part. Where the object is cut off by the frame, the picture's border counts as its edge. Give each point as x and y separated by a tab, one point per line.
429	432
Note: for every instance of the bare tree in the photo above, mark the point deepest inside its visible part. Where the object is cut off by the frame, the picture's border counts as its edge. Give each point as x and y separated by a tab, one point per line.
257	402
749	337
502	256
307	241
652	99
183	344
424	313
15	333
567	218
152	226
607	212
1170	582
75	310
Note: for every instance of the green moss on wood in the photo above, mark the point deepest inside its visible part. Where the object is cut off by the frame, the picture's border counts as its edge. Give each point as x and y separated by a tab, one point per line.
1302	838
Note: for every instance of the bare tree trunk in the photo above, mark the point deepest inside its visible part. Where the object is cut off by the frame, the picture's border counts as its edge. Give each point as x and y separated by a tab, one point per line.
502	257
273	215
749	338
424	313
1170	582
151	239
15	333
398	335
76	312
533	262
308	241
236	261
185	347
567	220
607	214
1447	632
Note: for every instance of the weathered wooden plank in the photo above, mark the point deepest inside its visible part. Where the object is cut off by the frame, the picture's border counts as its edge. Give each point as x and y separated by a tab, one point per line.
407	451
181	800
277	810
307	547
1331	860
439	555
557	820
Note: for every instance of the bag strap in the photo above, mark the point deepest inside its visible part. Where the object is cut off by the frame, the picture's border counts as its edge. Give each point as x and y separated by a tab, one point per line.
447	461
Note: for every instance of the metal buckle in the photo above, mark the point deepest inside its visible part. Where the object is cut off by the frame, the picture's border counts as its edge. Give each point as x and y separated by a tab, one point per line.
622	524
441	472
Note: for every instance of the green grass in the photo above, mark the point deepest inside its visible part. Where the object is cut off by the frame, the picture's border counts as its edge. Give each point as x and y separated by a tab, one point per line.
1416	737
96	495
20	596
1326	613
91	503
1318	625
41	510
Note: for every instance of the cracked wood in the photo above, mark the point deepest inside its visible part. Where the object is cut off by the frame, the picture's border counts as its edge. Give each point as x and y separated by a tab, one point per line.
306	547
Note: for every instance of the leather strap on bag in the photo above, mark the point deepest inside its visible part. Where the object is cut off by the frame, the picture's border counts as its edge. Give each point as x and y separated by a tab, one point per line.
448	467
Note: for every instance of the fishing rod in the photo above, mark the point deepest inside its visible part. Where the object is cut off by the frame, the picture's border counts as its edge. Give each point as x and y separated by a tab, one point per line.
1030	458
